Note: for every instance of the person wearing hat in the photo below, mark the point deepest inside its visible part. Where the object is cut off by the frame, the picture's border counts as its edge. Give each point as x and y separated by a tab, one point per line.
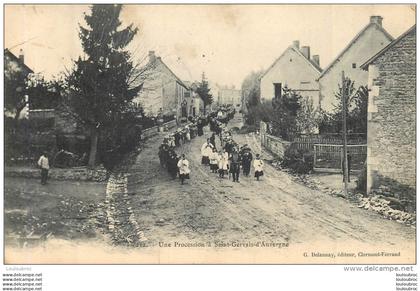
163	154
235	164
43	163
246	158
258	167
172	163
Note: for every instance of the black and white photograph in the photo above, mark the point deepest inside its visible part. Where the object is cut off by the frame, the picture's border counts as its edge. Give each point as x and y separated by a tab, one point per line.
209	134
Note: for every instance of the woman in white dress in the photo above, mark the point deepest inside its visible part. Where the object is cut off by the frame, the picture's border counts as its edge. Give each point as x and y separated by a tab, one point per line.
258	167
184	169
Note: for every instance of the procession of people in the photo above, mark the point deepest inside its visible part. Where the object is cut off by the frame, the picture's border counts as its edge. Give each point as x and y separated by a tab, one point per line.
228	159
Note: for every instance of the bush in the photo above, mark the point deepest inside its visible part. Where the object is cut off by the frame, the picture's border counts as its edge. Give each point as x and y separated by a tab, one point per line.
297	160
362	180
248	128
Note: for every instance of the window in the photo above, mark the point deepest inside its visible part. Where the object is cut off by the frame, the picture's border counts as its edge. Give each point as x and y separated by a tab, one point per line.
277	90
353	65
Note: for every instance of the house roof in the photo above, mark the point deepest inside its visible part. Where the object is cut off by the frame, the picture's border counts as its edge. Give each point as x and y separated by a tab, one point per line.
15	58
382	51
353	41
176	77
293	48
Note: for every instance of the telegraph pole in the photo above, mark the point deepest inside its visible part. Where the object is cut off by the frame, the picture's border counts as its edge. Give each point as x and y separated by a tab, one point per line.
344	105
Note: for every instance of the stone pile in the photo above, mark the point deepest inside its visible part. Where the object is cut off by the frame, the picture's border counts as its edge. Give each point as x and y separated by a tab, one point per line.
121	222
385	206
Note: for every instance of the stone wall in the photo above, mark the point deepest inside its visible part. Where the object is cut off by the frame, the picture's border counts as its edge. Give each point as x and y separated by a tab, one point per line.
155	129
74	174
391	158
275	145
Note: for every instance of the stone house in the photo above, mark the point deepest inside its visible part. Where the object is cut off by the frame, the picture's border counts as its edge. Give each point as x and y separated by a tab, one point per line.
371	39
391	154
16	65
195	105
163	91
293	69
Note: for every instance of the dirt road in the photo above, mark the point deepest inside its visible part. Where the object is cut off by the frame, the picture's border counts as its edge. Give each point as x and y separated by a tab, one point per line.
277	208
206	210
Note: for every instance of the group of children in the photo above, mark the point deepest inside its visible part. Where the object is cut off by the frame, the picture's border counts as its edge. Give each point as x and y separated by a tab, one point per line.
229	159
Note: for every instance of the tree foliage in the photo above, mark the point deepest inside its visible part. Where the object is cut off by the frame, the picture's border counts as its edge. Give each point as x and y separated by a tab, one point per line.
15	80
356	110
100	91
308	117
286	108
255	111
43	94
203	91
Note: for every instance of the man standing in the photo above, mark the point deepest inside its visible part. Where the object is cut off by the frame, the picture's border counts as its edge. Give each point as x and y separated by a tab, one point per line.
235	164
44	165
246	161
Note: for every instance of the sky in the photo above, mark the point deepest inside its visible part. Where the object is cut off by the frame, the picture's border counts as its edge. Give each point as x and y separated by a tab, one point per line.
227	42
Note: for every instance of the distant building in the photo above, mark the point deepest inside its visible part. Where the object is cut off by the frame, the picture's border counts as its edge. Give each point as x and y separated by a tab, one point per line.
162	91
229	96
391	155
295	70
371	39
195	105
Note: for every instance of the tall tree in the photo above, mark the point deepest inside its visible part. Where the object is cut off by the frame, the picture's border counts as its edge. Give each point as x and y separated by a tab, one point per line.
251	97
203	91
100	85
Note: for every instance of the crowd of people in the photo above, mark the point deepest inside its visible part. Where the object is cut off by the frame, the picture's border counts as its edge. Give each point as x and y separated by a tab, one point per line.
230	158
227	160
178	165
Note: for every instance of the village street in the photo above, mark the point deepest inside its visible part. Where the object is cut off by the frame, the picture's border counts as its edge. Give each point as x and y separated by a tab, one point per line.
205	210
209	209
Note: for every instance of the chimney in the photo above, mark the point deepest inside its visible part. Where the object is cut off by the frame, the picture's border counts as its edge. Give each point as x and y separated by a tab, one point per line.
376	19
296	44
21	56
306	51
315	59
152	57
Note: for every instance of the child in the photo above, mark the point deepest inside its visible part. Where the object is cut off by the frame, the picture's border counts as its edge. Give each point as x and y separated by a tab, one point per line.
184	169
258	166
214	160
223	164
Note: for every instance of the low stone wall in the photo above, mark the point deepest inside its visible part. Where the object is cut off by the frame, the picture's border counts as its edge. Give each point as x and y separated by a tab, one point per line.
76	174
149	132
275	145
